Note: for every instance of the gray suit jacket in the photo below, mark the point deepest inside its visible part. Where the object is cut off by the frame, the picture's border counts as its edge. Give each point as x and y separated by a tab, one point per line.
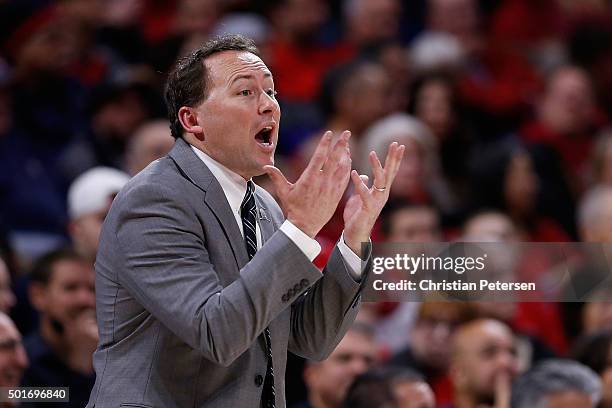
180	309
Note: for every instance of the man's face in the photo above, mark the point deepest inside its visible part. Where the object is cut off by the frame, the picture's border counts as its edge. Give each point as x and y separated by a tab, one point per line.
569	399
69	292
330	379
484	352
240	116
13	359
414	224
85	232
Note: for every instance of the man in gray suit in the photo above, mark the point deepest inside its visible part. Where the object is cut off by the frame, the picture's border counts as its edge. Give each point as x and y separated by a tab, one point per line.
202	281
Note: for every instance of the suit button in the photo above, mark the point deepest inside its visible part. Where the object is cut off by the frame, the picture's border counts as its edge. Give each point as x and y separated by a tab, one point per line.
290	293
297	288
258	380
284	298
304	282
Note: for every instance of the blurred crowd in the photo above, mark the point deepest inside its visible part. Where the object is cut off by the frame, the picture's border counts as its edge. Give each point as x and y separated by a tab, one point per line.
504	106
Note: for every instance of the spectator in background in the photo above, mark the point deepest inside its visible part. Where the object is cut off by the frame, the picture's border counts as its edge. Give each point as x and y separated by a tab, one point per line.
370	23
428	351
297	49
13	358
60	350
588	279
483	364
495	82
7	298
595	352
400	222
490	226
118	108
89	199
434	100
566	120
504	178
557	384
328	381
150	142
601	159
389	387
404	222
419	180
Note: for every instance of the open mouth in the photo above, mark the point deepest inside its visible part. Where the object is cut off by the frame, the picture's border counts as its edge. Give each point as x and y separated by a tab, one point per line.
264	136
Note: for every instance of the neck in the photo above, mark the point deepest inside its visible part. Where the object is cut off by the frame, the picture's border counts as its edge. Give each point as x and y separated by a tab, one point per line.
463	400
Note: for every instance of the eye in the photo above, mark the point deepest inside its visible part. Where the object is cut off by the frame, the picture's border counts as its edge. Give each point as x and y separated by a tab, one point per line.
245	92
272	93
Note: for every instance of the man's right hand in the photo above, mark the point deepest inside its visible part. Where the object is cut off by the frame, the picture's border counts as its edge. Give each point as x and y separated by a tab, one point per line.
311	201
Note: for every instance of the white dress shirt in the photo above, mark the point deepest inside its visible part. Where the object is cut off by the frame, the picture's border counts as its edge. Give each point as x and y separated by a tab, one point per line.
234	187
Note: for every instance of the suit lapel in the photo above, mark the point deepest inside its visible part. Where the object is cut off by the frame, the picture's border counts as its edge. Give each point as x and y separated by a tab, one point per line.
263	218
197	172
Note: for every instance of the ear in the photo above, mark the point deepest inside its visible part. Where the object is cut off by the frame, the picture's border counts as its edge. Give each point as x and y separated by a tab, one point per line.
189	120
36	293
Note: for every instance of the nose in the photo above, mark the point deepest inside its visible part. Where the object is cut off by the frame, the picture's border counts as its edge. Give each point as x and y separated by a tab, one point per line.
267	104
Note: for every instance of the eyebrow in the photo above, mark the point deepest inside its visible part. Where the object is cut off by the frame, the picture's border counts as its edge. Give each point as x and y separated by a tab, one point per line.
249	76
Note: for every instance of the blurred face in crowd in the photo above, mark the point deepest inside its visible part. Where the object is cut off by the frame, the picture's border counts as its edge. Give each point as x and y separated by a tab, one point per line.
434	107
599	228
432	332
414	224
568	104
329	380
119	118
68	294
414	394
13	358
196	16
51	49
596	316
237	124
371	21
521	185
411	174
490	227
301	19
483	354
151	141
457	17
569	399
7	298
85	232
363	99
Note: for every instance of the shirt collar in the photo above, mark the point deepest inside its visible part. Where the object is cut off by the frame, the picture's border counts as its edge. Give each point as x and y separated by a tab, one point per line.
234	185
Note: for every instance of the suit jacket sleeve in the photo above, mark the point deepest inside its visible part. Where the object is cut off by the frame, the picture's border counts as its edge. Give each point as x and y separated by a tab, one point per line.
165	266
321	317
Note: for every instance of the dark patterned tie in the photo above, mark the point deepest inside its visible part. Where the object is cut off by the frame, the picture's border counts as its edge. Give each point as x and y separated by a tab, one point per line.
248	213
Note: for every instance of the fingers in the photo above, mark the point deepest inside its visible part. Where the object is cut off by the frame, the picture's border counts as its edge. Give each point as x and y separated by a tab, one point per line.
395	155
278	179
360	187
320	155
339	155
377	171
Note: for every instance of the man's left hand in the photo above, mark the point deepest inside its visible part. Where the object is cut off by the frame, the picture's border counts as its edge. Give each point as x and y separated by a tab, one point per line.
364	206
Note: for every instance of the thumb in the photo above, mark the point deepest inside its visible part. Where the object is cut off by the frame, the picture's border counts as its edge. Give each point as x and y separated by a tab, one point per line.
278	179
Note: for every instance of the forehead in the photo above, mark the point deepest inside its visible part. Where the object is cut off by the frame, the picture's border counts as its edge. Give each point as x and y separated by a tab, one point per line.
227	66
